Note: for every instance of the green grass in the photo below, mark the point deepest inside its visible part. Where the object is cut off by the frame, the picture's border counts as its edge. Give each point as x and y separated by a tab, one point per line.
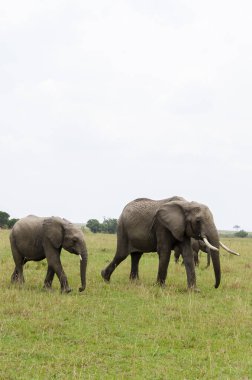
127	330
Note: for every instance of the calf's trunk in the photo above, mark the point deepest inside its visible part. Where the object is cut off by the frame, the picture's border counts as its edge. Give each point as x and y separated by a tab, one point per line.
83	270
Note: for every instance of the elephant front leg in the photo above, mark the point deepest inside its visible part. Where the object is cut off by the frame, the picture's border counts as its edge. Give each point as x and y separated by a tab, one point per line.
189	264
49	278
164	259
54	262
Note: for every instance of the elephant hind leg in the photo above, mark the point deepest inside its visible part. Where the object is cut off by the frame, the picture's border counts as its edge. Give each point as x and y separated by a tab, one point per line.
135	257
118	258
17	275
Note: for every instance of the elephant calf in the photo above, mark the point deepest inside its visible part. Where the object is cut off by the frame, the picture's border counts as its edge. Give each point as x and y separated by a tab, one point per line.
197	245
34	238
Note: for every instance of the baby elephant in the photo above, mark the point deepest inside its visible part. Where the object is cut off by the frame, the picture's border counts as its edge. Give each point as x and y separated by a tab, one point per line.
34	238
197	245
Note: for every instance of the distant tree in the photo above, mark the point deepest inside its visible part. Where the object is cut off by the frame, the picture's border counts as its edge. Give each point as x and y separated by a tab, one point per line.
109	226
236	227
5	222
11	222
241	234
4	219
94	225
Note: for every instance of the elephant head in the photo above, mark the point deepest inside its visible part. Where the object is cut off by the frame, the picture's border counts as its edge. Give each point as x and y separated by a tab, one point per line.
63	234
192	220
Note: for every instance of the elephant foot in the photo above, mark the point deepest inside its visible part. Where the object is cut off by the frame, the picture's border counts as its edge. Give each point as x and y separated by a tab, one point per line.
82	288
66	290
17	280
104	276
193	289
161	284
134	277
47	287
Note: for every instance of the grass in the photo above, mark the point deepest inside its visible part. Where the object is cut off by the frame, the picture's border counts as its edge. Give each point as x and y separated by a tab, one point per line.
127	330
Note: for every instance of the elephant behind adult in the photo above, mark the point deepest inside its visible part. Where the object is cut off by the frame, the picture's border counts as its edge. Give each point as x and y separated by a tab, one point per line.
146	225
197	245
35	238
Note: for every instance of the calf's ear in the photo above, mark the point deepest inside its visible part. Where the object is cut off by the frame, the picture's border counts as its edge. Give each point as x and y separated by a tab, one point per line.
53	231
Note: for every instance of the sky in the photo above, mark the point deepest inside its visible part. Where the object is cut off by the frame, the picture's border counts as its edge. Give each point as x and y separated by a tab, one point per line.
105	102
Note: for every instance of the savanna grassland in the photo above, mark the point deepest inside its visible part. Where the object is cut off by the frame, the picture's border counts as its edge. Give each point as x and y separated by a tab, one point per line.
125	330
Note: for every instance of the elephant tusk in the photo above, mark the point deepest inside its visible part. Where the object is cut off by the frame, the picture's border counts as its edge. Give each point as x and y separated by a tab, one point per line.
209	245
228	249
80	258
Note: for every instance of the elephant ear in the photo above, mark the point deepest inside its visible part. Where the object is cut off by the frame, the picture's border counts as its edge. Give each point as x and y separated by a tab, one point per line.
53	231
171	216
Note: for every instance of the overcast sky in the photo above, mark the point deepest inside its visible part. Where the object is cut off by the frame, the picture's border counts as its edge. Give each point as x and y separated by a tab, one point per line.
106	101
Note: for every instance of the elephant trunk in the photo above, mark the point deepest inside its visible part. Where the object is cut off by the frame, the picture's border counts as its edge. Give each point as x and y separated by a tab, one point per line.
215	256
83	269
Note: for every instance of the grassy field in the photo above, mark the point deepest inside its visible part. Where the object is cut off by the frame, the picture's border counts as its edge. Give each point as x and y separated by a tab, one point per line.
127	330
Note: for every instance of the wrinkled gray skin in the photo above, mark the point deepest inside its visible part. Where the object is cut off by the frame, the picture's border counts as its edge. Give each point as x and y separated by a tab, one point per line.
147	225
34	238
197	245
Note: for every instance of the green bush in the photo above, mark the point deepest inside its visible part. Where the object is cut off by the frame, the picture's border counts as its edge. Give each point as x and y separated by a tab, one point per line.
241	234
4	218
94	225
108	226
5	222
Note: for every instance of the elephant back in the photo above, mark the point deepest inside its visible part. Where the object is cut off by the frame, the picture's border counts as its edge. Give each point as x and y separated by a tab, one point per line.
27	234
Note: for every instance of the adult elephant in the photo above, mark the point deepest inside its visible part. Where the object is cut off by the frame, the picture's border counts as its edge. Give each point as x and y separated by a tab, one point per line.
34	238
146	225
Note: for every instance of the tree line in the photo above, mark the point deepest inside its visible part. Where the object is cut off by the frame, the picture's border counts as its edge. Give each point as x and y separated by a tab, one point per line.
5	221
108	226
